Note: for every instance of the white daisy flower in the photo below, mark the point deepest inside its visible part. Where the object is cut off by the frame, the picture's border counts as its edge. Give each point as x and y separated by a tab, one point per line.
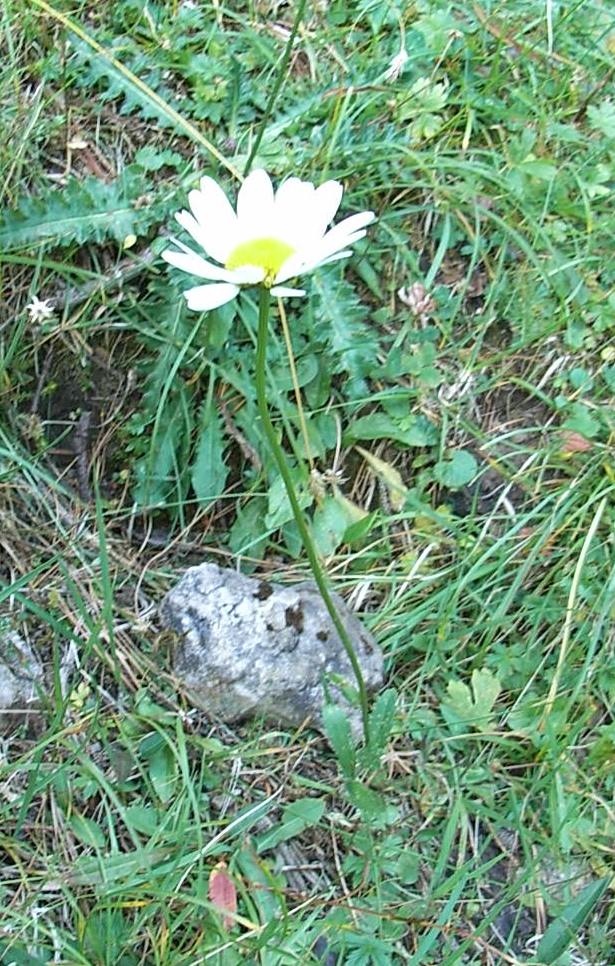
270	239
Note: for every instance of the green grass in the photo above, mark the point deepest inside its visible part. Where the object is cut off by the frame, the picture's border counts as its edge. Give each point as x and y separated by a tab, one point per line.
484	561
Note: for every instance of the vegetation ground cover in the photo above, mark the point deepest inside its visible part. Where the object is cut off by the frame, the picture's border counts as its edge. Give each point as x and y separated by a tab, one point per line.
457	468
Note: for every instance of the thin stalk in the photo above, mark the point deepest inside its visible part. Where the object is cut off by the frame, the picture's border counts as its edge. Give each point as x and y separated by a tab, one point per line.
276	88
319	577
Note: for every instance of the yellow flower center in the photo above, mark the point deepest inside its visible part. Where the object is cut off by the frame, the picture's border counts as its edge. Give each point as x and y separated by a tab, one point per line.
266	253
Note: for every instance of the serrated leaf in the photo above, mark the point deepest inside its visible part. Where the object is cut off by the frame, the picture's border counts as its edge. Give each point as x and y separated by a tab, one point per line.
142	818
341	323
159	471
602	118
209	472
369	803
460	700
89	210
486	688
152	160
456	471
381	719
582	421
99	71
565	929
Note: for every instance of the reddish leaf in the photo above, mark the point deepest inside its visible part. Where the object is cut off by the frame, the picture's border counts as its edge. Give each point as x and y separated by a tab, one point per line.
223	893
574	443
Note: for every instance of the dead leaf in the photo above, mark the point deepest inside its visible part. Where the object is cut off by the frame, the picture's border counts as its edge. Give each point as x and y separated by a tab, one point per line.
390	477
223	894
574	443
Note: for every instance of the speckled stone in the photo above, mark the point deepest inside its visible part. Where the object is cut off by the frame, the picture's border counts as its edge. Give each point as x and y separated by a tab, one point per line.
21	678
250	648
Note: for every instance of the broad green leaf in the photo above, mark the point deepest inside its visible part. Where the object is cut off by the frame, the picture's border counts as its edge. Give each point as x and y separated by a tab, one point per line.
409	430
337	730
330	521
162	771
408	867
248	535
565	929
209	471
18	955
260	884
357	531
538	168
456	471
472	707
143	818
280	510
460	700
381	719
582	421
87	830
307	368
486	688
296	817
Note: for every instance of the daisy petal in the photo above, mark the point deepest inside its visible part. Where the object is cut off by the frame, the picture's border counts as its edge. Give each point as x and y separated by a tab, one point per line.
327	261
195	265
255	204
216	218
282	292
330	245
354	222
201	236
293	265
327	199
292	193
293	210
248	275
206	297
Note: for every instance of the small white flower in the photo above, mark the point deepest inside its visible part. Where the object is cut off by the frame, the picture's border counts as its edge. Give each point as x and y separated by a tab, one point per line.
396	67
40	310
270	239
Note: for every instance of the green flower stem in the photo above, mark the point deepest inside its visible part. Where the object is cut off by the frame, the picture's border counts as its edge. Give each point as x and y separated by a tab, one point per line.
317	571
276	87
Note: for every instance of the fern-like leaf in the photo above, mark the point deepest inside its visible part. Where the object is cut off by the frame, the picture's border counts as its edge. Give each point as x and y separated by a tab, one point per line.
112	85
341	323
89	210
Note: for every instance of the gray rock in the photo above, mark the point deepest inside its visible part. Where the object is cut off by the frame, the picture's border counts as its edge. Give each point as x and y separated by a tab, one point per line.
252	648
21	677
